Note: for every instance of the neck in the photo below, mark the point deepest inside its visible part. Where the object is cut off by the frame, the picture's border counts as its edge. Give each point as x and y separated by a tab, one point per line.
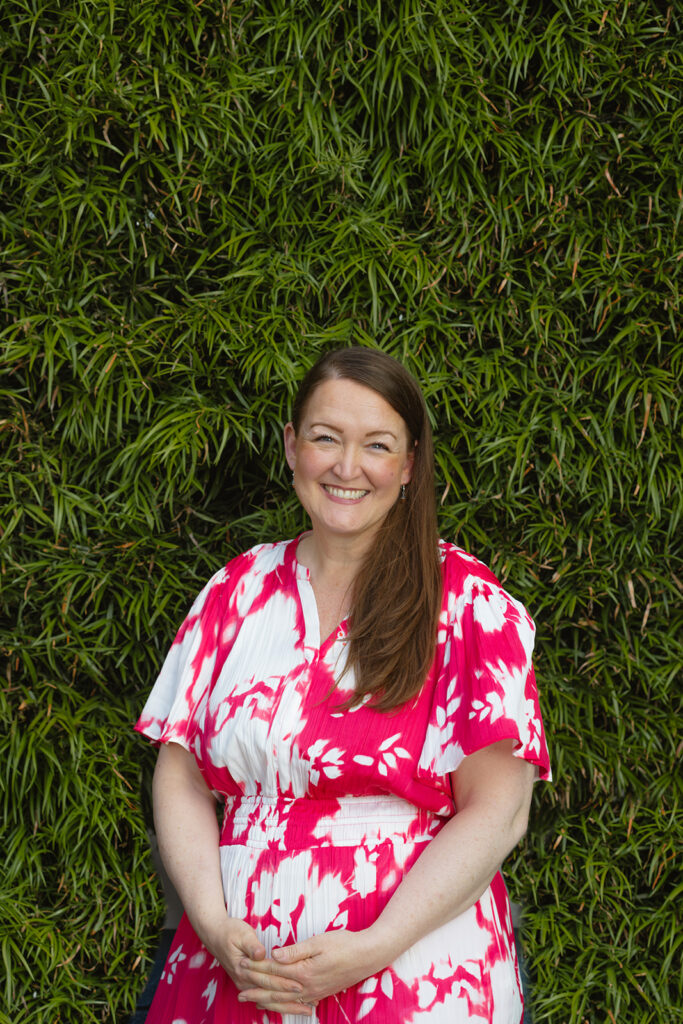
337	559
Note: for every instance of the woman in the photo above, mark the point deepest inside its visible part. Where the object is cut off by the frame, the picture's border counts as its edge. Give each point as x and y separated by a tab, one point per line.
347	692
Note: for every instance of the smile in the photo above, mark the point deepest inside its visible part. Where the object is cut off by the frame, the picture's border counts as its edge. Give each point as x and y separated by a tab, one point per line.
340	492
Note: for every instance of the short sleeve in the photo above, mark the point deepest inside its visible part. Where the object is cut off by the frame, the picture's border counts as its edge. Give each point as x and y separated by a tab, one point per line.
180	691
486	688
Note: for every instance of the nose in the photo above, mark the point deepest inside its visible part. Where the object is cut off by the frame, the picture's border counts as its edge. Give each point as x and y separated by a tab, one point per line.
347	466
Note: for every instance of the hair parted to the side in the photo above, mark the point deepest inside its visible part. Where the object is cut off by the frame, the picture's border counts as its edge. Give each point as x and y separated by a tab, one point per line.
397	594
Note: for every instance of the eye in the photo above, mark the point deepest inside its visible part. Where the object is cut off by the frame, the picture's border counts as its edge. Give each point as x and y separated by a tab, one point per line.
324	437
380	446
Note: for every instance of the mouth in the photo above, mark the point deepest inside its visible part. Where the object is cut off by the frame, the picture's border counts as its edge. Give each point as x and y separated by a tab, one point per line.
344	493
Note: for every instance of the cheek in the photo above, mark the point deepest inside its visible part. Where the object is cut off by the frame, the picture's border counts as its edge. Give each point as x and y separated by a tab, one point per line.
311	461
388	475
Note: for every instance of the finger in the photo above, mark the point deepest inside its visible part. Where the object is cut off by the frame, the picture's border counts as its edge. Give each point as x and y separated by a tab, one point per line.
282	978
267	980
267	1001
267	968
260	966
297	951
249	946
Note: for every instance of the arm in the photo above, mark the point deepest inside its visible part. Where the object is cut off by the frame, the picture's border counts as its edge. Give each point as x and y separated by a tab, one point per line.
492	792
187	831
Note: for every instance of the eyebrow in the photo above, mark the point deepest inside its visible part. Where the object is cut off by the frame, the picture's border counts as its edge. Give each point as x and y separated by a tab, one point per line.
337	430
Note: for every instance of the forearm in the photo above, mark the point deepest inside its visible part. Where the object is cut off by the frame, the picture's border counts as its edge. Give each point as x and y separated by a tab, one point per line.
187	832
492	794
450	875
457	866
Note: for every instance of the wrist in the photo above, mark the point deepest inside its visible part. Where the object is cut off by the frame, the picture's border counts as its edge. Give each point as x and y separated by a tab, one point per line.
210	928
382	947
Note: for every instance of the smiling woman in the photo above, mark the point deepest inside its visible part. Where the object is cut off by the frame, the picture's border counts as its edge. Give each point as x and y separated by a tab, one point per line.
350	456
394	572
363	698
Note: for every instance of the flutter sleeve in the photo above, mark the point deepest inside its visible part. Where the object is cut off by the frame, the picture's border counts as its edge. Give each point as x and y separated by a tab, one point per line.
486	688
180	691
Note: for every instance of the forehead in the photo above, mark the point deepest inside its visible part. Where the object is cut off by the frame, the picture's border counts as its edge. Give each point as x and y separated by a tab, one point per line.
348	404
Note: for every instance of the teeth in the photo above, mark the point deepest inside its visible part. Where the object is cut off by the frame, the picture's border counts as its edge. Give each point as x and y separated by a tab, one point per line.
338	492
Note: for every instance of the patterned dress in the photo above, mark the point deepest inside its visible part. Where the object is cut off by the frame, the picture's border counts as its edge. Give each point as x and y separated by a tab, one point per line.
326	809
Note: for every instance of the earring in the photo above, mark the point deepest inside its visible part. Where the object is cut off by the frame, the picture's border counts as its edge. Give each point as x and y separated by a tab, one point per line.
292	477
403	492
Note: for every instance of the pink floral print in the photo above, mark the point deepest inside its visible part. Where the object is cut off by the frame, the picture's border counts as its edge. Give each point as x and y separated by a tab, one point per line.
325	808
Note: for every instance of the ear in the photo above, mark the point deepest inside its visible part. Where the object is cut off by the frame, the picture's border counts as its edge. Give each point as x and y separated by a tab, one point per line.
290	445
407	474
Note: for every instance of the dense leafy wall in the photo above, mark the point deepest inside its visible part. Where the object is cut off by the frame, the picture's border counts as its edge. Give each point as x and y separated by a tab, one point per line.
198	199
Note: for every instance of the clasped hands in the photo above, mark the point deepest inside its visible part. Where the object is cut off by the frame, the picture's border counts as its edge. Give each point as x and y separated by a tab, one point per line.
295	978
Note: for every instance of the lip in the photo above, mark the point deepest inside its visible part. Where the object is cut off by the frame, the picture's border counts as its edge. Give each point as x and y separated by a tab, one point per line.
358	494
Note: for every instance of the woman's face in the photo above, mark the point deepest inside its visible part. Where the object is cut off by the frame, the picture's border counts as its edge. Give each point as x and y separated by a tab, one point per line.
349	458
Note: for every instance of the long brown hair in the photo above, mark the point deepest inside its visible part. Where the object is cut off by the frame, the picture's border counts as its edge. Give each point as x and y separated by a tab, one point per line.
397	592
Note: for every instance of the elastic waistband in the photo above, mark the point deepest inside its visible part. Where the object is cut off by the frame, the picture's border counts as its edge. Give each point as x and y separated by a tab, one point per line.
305	822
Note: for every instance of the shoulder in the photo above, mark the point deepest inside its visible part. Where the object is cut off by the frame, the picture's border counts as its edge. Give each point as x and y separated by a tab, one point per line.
461	569
259	560
470	588
246	572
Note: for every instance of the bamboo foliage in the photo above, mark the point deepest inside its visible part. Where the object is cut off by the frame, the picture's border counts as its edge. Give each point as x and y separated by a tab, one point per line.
198	200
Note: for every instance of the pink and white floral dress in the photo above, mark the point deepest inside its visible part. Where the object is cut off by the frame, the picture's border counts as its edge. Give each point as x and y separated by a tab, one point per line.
326	809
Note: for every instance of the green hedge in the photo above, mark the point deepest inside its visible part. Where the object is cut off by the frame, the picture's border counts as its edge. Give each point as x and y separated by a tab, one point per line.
199	198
